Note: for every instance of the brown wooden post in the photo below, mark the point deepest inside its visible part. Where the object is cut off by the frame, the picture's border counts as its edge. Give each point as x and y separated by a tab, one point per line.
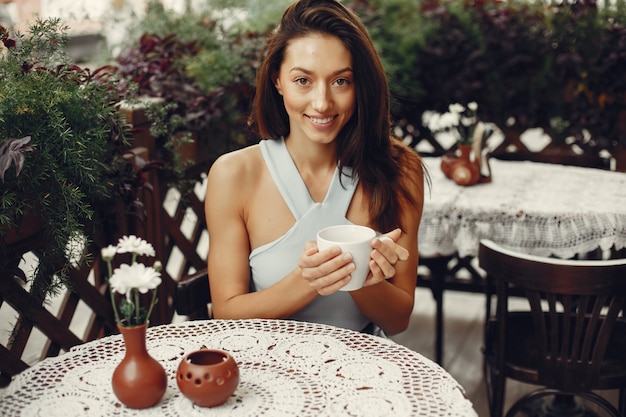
152	229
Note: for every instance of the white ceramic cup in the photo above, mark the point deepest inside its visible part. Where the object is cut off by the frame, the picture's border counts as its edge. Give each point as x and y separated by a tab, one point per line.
353	239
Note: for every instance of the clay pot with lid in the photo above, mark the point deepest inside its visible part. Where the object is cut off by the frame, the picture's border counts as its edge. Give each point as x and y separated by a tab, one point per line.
207	377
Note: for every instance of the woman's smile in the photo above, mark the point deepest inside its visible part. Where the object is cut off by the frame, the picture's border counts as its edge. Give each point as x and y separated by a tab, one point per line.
321	121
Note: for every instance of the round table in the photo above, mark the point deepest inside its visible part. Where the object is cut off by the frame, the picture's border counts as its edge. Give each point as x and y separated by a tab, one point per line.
287	368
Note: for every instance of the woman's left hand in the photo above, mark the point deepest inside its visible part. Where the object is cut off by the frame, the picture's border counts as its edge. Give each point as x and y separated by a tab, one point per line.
386	253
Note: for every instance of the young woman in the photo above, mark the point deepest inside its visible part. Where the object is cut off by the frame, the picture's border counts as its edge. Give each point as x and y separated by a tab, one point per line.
327	157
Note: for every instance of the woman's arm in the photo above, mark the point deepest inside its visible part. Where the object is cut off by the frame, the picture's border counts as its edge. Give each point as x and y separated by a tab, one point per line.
232	182
388	294
389	303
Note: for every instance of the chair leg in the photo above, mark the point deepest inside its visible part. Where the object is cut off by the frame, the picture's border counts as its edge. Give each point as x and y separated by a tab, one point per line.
489	292
622	401
438	277
438	271
439	327
496	386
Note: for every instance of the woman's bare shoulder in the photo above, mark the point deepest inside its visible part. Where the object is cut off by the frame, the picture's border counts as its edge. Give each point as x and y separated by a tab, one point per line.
240	166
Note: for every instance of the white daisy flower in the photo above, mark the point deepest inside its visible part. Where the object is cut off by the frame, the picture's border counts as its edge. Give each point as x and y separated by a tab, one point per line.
130	280
136	245
135	276
108	253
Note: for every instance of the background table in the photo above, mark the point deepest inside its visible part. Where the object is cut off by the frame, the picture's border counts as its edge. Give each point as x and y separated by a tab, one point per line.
287	369
536	208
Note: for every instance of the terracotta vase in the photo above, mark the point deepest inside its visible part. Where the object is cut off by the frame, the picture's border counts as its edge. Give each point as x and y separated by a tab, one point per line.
462	169
139	381
207	377
466	171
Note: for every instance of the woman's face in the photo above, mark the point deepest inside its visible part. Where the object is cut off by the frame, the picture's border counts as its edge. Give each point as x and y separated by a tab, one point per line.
316	81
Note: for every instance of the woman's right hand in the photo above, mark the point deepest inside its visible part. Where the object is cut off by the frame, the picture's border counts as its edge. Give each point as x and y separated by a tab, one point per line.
325	271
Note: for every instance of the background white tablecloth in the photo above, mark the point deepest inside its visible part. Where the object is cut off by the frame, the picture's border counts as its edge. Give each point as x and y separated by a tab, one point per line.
536	208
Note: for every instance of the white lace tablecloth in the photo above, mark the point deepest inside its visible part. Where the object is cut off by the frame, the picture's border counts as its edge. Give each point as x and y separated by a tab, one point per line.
535	208
287	368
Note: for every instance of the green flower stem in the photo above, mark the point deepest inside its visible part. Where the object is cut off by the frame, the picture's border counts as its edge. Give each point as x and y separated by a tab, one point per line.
152	303
137	306
117	316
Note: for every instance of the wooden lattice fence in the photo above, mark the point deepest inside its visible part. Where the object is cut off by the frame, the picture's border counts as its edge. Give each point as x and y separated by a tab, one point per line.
32	330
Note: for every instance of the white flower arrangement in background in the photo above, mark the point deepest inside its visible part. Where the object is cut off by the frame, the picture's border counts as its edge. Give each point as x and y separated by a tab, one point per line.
459	121
132	280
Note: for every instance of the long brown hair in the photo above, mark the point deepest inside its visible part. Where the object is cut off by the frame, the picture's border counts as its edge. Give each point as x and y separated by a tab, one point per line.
365	143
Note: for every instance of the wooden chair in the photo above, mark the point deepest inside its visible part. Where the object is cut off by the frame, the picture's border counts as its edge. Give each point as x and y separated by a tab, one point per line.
572	338
193	295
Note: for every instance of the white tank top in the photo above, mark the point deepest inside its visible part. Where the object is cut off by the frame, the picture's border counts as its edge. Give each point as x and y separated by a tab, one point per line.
273	261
